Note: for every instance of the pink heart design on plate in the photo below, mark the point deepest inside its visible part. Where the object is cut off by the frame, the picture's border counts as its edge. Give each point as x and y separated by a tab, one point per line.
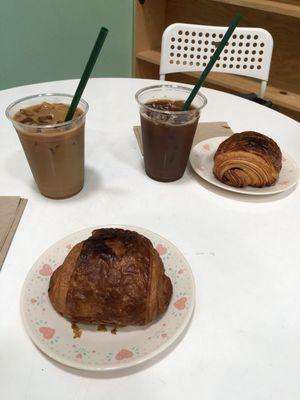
124	353
79	356
46	270
161	249
180	303
164	335
33	300
47	332
181	271
206	146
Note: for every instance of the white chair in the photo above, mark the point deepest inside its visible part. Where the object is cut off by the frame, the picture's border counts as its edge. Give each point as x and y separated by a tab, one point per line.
187	47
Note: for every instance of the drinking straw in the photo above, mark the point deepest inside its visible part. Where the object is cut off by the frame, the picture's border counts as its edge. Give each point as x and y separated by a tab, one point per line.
211	63
87	72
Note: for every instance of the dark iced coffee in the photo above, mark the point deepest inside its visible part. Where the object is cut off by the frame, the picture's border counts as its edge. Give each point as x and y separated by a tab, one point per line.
54	148
167	131
167	141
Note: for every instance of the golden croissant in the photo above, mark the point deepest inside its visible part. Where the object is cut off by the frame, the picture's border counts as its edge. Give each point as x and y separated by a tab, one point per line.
248	159
114	277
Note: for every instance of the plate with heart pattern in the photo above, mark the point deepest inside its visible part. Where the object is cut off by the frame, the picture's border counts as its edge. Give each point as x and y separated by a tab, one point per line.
97	350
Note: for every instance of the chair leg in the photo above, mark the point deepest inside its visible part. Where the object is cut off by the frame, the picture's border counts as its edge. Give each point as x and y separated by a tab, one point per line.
262	89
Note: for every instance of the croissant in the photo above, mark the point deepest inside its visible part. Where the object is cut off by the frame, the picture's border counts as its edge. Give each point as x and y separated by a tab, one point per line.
114	277
248	159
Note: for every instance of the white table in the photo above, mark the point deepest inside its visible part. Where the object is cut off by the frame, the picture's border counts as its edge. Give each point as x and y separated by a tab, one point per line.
244	340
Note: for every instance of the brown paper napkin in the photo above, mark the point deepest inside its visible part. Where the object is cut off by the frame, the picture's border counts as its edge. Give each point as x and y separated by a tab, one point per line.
11	210
205	130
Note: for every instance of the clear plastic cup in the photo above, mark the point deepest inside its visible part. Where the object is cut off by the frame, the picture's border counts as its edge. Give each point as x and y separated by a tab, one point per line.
55	153
167	135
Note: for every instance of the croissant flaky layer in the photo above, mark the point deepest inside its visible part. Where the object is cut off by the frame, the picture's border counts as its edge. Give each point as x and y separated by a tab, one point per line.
114	277
248	159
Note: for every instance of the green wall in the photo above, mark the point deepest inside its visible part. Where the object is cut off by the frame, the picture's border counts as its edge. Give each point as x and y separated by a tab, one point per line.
45	40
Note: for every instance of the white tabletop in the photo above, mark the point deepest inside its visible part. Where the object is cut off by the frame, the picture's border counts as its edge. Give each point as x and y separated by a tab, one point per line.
243	342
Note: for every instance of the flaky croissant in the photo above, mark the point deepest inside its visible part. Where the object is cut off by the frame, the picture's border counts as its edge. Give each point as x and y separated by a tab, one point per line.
115	277
248	159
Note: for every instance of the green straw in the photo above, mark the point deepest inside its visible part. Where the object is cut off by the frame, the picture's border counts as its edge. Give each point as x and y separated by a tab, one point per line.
87	72
211	63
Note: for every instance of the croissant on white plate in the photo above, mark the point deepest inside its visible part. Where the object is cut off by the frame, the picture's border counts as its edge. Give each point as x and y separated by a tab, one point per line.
248	159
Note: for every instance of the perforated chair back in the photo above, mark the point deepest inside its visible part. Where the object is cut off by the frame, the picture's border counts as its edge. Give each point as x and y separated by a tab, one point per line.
187	47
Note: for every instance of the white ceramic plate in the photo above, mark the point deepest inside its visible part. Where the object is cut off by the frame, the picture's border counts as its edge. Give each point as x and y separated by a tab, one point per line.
202	162
94	350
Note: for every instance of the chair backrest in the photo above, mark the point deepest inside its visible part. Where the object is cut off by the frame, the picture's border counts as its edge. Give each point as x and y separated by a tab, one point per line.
187	47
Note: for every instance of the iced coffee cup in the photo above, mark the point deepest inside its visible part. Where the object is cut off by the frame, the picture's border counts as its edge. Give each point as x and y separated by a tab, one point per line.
167	132
54	149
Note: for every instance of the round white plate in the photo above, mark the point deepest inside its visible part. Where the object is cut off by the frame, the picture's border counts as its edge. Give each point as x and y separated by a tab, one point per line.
94	350
202	161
